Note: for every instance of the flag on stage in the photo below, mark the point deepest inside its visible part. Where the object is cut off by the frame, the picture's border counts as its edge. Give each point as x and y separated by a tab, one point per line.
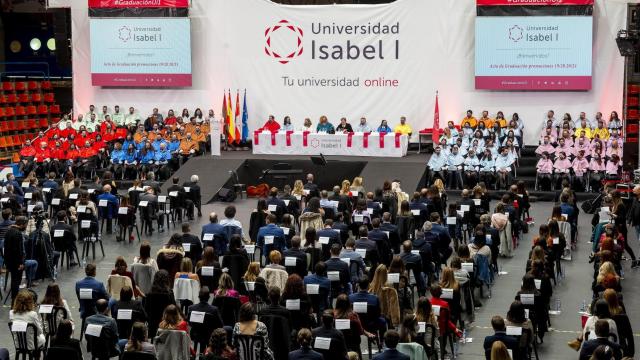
436	124
224	114
237	115
232	125
245	118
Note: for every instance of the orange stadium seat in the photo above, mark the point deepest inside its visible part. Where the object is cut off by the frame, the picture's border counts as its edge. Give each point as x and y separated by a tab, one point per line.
9	140
32	110
46	85
21	111
20	86
55	109
24	138
20	125
48	97
33	85
4	126
43	123
11	125
31	124
23	98
7	86
43	109
16	157
36	97
3	142
9	111
12	98
16	140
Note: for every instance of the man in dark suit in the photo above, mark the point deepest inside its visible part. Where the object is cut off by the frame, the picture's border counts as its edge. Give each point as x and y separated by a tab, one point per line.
344	204
382	241
274	232
330	233
274	307
391	340
219	239
299	254
152	207
414	261
336	264
444	239
602	333
319	277
364	242
497	322
205	307
290	201
110	208
311	186
195	246
64	239
181	199
388	227
109	326
194	193
327	330
14	255
275	205
98	291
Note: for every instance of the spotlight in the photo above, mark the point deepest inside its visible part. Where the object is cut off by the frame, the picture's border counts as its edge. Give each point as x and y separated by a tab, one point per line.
51	44
35	44
628	42
15	46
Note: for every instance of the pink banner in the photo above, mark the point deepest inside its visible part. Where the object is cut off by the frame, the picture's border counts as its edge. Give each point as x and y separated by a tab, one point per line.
288	137
305	136
365	140
138	3
542	83
382	134
256	137
144	80
398	139
532	2
349	139
273	139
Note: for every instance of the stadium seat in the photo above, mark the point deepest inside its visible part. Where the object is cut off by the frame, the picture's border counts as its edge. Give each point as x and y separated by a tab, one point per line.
3	99
43	109
9	111
32	110
12	98
24	98
1	112
32	85
16	157
21	111
632	101
17	141
4	126
20	125
55	120
36	97
7	86
43	123
11	125
633	89
632	114
31	124
48	97
20	86
46	85
3	142
9	141
55	109
632	129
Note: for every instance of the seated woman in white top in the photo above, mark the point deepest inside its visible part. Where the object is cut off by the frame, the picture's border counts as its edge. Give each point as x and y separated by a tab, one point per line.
308	126
24	310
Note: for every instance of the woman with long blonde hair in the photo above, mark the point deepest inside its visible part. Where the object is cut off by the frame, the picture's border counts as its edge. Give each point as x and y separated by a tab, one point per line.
345	188
298	188
499	351
358	185
611	297
605	269
448	279
389	304
252	272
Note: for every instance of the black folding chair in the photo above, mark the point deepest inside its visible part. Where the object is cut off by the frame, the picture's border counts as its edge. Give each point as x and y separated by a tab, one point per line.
21	342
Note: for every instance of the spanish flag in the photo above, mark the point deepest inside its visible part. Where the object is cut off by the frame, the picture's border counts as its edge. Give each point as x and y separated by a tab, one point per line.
231	121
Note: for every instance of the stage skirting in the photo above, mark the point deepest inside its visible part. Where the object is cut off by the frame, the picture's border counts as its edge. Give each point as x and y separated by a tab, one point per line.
356	144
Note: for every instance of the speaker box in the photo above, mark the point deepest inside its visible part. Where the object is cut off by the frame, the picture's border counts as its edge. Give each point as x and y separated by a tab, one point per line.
62	34
630	156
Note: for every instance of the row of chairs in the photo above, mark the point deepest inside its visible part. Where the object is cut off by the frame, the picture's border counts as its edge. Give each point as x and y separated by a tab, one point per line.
21	125
42	109
30	85
25	98
14	141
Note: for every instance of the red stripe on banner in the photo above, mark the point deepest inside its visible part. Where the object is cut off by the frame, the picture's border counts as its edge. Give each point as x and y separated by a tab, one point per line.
273	139
305	135
256	137
365	140
138	3
288	137
349	139
382	134
532	2
398	135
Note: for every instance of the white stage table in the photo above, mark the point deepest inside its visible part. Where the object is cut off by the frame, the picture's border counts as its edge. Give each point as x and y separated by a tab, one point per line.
356	144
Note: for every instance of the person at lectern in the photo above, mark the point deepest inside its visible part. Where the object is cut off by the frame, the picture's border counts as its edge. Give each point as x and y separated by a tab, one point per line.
324	126
344	127
271	125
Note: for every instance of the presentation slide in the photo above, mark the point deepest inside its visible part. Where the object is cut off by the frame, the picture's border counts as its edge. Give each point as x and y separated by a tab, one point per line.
533	52
149	52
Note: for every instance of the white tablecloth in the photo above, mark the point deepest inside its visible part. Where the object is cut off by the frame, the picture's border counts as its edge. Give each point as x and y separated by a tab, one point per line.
329	144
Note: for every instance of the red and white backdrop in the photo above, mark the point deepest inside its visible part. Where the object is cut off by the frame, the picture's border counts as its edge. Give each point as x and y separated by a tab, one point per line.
419	47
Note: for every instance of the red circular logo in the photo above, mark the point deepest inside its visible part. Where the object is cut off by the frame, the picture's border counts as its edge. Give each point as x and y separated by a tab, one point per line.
292	50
